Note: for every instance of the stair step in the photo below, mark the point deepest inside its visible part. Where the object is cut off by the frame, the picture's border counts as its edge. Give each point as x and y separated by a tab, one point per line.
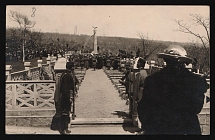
100	121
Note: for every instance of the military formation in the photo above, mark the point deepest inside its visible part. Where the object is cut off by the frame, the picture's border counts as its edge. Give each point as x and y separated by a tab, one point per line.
98	61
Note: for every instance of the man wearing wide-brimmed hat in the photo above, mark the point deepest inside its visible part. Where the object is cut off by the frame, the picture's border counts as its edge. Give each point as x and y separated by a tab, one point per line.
172	97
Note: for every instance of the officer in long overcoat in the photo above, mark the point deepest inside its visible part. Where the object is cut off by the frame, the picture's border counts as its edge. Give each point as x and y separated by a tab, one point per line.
172	97
65	88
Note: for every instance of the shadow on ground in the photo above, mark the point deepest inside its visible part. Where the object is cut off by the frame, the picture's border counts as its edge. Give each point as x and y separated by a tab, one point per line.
123	96
126	126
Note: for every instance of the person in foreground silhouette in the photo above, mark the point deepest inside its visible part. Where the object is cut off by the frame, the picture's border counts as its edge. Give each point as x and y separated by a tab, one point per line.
172	97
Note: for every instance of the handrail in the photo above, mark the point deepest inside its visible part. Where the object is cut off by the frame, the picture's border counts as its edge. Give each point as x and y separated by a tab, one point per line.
30	81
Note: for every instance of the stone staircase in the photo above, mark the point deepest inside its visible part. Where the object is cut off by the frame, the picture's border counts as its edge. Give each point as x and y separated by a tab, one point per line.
101	121
115	76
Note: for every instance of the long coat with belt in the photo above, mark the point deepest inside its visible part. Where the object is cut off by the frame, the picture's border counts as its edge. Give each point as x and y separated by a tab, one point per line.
170	102
64	85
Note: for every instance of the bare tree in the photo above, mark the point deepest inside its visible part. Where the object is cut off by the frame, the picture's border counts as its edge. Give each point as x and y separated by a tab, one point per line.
199	54
24	24
197	20
202	22
147	44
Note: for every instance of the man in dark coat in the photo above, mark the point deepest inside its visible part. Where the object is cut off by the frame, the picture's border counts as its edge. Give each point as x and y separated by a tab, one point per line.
172	97
94	60
86	62
140	77
64	91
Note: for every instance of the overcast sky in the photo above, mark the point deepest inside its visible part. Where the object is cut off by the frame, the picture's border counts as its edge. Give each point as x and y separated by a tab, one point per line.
122	21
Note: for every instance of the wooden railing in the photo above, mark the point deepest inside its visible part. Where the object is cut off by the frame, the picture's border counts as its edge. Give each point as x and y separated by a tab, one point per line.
31	94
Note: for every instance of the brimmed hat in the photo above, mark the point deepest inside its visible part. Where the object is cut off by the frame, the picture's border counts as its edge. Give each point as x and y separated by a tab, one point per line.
175	52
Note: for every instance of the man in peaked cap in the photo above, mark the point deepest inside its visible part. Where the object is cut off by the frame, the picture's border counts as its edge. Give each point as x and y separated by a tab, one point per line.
172	97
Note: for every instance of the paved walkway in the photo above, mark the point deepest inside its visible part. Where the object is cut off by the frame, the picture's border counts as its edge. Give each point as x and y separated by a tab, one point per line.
98	98
75	130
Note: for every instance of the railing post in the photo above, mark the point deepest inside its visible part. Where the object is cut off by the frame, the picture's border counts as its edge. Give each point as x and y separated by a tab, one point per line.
13	96
8	72
35	95
27	67
39	62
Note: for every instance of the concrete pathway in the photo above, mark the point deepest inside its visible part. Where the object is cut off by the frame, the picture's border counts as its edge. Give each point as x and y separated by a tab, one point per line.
98	98
75	130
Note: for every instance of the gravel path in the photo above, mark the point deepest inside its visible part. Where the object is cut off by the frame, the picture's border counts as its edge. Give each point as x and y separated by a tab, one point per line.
98	98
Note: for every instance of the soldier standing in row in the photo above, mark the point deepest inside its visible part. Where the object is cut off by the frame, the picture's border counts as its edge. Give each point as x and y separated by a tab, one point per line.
108	64
94	63
86	62
172	97
82	62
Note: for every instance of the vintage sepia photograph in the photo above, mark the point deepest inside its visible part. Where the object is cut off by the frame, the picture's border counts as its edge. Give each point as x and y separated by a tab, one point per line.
107	70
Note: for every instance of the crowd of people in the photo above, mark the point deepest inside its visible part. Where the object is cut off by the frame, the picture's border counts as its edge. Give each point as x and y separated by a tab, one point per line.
13	54
168	101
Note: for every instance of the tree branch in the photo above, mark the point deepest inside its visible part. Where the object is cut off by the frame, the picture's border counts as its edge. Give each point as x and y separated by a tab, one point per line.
184	29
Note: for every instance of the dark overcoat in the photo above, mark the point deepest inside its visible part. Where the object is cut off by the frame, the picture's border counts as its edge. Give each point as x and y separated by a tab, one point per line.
64	85
170	102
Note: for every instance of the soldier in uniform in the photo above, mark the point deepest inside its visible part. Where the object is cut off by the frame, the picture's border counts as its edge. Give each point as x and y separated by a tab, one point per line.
108	64
86	62
91	62
82	61
99	62
172	97
94	63
115	63
65	88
